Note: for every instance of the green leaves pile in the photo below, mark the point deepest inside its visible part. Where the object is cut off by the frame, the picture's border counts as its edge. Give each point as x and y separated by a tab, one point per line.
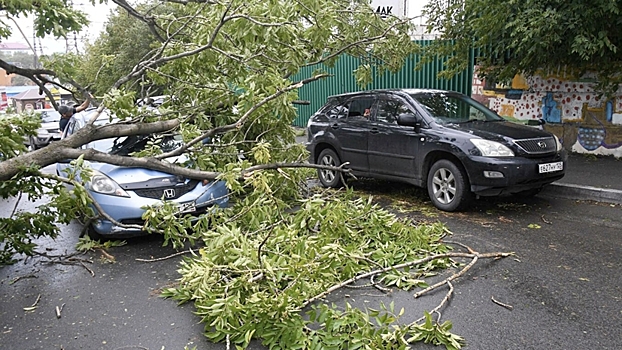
255	274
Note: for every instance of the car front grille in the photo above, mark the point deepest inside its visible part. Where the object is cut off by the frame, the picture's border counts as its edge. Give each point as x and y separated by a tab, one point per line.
168	192
541	145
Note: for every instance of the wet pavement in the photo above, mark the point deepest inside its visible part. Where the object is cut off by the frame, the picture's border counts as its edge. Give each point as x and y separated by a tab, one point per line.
563	285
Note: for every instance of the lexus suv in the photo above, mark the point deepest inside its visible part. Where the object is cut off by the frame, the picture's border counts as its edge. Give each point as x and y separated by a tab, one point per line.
440	140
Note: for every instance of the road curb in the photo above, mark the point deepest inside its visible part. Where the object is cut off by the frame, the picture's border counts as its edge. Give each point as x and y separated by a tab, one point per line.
571	191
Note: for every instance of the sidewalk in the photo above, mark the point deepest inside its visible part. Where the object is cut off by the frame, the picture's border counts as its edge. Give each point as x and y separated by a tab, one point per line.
597	178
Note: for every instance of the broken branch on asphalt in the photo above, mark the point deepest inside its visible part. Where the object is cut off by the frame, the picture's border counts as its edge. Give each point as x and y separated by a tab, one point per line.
165	257
475	256
507	306
69	259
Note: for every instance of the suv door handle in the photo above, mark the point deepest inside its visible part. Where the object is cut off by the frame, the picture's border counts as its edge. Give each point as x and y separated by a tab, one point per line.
374	130
335	126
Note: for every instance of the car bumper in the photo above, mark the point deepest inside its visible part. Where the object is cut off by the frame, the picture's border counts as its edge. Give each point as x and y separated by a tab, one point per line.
519	174
130	210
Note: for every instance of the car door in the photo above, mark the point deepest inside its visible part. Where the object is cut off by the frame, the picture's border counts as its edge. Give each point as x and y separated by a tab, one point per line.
352	132
392	148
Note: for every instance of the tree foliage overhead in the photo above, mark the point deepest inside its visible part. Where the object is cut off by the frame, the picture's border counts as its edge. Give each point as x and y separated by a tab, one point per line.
51	17
226	67
513	37
124	42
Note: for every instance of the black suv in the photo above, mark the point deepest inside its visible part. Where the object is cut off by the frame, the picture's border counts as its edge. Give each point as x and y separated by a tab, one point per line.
441	140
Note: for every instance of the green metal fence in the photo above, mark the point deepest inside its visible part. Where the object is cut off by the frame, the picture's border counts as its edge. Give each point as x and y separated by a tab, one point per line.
342	80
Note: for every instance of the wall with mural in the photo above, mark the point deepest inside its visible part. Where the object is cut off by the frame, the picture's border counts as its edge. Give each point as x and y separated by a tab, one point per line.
584	121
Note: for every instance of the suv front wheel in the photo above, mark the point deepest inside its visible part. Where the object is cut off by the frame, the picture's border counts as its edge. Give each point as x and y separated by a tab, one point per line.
448	186
329	178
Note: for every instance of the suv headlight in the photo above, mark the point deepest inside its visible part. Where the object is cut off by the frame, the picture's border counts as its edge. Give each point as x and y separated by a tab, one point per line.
558	144
492	149
101	183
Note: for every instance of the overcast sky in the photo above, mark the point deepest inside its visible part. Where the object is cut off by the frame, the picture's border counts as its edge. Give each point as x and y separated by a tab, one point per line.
97	15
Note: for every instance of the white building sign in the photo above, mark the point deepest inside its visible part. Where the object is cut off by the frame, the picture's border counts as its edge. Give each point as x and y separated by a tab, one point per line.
390	8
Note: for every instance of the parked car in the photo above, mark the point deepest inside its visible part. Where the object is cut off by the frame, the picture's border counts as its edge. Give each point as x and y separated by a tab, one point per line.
440	140
48	132
122	192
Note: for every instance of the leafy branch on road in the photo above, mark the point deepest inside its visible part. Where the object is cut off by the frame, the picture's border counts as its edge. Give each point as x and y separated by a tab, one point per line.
277	293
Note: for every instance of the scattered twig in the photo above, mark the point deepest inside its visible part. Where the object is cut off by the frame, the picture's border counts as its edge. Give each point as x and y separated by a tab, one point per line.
407	264
59	310
378	286
440	305
107	255
546	221
87	269
448	279
30	275
267	228
462	245
19	198
165	257
69	259
256	277
507	306
34	305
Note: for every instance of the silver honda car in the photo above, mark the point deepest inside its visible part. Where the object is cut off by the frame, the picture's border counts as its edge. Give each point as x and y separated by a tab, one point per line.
123	192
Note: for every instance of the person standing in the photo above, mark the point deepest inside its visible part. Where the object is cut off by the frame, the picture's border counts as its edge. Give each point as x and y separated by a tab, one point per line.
66	112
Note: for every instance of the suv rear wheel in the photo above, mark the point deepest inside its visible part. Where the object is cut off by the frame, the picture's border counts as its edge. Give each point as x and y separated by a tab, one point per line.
448	186
329	178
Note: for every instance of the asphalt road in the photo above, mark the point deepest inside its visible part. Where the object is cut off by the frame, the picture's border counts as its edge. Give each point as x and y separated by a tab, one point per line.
564	284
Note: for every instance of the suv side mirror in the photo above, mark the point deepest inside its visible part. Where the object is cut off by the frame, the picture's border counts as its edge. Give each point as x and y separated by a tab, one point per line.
536	122
408	119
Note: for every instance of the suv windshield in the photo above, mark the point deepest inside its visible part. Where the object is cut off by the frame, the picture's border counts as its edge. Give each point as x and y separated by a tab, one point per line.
445	108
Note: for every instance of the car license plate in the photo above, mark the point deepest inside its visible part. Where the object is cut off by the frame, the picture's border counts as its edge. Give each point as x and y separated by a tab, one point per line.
187	208
550	167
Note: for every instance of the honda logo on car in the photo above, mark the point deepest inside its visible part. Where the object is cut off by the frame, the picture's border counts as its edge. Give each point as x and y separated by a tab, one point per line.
169	193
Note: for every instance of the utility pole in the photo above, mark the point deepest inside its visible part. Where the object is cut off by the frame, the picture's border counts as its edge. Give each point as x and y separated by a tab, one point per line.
71	44
34	49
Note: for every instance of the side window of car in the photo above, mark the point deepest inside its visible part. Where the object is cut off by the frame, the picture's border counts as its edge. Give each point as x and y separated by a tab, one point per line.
388	110
360	108
335	110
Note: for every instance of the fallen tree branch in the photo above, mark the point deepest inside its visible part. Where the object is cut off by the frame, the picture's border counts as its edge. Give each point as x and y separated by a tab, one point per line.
403	265
448	279
439	306
165	257
69	259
